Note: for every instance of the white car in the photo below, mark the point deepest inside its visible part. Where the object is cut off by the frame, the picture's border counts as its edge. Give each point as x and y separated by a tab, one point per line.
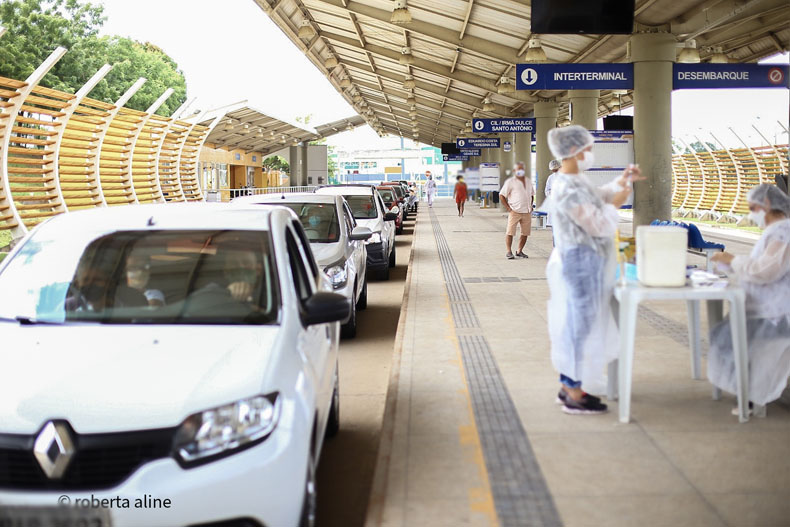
337	242
368	209
165	365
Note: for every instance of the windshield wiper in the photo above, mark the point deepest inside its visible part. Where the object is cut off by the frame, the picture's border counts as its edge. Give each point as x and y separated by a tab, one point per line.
28	321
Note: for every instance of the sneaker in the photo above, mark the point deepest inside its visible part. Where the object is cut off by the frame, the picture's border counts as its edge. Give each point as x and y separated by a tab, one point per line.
587	405
563	395
509	256
521	255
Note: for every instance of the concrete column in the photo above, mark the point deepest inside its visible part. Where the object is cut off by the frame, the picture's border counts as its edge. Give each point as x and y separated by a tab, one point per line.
522	151
584	107
545	120
507	158
653	55
303	166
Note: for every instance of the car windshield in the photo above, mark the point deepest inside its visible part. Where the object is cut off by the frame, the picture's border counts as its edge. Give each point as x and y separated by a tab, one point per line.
142	277
388	195
362	207
319	221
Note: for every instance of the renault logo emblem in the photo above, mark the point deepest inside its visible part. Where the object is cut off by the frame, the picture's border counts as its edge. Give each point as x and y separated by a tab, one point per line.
54	449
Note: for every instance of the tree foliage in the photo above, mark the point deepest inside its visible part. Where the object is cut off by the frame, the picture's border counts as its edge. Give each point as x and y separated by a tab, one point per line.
35	28
277	163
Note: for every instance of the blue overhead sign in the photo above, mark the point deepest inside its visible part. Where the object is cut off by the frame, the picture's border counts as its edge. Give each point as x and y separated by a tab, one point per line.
519	125
451	157
471	152
690	76
575	76
477	142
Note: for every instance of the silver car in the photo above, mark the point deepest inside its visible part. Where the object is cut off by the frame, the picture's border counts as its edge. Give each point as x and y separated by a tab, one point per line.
336	240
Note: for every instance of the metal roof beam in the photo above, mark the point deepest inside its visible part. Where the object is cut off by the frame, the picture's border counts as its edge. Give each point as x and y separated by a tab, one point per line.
464	116
431	67
448	36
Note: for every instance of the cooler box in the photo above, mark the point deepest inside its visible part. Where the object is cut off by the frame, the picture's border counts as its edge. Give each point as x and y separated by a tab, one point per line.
661	255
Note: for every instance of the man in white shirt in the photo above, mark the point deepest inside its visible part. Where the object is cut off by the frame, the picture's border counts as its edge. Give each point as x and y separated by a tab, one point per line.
516	196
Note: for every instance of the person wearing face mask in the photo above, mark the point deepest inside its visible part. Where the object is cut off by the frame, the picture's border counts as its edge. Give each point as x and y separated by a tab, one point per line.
765	276
430	188
516	197
581	269
554	166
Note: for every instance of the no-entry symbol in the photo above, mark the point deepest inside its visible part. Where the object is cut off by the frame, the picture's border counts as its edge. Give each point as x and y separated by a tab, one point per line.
775	76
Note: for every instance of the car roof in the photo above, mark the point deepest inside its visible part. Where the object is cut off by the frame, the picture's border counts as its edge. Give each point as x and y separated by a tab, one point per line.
186	216
287	197
347	190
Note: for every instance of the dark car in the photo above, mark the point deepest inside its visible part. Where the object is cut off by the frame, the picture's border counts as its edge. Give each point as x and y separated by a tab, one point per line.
390	199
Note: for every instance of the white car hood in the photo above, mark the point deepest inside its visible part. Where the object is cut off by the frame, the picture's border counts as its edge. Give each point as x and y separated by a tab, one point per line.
116	378
327	253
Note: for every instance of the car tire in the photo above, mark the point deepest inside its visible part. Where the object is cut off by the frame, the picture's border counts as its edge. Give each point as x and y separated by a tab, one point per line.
349	329
399	230
392	257
333	422
383	274
310	501
362	303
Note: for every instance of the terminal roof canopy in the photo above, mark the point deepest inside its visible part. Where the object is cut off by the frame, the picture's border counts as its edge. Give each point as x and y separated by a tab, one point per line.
240	126
459	50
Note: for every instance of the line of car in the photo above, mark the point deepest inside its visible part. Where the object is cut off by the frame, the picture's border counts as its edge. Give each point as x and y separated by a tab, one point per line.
181	352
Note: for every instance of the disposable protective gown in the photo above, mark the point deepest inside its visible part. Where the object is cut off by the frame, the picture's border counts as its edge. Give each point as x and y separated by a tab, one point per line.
765	276
580	275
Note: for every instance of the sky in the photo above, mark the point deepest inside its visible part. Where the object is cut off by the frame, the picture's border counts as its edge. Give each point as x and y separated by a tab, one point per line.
231	51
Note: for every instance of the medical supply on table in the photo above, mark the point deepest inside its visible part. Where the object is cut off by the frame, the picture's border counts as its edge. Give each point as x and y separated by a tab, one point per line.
700	278
661	255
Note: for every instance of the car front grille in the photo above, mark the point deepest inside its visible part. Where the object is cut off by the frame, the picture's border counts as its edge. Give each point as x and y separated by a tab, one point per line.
101	460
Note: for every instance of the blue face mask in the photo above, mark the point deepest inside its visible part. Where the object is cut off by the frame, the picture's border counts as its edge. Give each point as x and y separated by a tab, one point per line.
314	221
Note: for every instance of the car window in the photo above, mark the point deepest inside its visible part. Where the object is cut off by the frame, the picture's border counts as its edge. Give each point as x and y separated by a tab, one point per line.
387	195
362	207
299	273
381	204
307	252
319	220
145	277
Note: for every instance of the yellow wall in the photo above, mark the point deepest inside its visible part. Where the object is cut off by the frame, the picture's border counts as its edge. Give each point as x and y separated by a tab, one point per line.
218	155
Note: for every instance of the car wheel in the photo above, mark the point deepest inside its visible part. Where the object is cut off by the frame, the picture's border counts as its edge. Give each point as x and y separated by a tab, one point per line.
362	303
349	329
310	502
333	423
392	257
383	274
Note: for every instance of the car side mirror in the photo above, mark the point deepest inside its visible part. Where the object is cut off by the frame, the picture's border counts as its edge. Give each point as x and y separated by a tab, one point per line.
390	216
361	233
325	307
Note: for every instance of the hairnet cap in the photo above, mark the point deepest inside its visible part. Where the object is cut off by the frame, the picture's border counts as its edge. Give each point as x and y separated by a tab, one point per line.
770	197
568	141
555	164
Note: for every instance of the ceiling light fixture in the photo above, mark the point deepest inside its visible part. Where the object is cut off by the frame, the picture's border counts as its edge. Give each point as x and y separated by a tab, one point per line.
410	100
505	86
535	52
719	57
401	14
331	63
406	58
408	83
345	82
689	54
306	30
488	106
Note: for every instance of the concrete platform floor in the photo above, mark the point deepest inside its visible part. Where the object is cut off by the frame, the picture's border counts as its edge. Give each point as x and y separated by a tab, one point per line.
472	435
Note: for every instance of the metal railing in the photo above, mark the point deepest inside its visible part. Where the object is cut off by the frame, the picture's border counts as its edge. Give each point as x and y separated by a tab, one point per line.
228	194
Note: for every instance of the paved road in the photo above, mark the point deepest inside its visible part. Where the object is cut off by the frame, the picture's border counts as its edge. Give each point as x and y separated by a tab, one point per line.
346	468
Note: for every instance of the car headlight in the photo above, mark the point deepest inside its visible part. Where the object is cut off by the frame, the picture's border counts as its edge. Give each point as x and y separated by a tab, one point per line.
374	238
224	430
337	274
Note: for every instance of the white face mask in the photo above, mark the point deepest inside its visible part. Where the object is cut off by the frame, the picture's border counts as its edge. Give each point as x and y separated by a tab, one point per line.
587	162
519	173
758	218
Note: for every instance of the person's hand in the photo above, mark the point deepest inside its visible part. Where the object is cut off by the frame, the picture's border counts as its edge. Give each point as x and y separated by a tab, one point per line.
723	257
619	198
631	174
241	291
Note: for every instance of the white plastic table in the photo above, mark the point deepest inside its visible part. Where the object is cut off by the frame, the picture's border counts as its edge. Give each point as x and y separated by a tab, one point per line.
630	295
